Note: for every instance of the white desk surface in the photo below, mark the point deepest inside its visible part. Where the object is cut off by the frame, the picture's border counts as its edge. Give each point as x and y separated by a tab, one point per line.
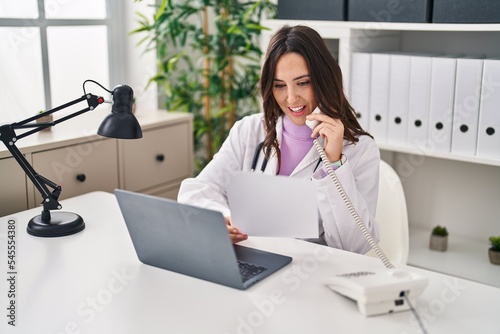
92	282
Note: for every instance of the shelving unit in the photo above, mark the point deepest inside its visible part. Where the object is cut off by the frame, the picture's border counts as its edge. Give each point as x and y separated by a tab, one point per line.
459	192
464	257
477	39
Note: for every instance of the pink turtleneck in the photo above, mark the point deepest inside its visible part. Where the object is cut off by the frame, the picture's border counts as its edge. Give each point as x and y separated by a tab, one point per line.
295	144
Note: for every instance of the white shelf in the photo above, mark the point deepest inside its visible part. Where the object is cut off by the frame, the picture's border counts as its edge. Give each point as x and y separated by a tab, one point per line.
388	25
429	153
464	257
425	26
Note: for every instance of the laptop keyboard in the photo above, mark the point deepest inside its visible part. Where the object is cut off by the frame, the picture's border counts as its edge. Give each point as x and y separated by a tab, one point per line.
248	270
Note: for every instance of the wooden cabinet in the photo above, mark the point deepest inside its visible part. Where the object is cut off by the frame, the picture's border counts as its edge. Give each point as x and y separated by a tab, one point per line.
12	187
162	158
75	158
81	168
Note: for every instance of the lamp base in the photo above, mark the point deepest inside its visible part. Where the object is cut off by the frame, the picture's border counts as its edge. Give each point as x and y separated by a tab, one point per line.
61	224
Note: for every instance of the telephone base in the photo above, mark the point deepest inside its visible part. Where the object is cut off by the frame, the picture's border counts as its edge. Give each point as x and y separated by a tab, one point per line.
384	307
379	291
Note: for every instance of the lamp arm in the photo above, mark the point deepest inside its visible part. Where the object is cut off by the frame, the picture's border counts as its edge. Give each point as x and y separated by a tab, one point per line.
9	138
92	100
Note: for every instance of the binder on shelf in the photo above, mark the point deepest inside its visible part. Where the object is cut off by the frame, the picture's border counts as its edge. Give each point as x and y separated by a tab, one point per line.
379	95
442	97
419	101
488	141
399	80
466	106
465	11
360	87
332	10
389	11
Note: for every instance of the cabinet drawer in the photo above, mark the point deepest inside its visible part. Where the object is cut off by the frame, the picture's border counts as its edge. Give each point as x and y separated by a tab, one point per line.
13	196
80	169
170	191
162	155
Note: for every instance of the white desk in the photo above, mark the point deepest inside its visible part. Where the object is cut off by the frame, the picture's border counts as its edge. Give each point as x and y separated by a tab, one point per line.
92	282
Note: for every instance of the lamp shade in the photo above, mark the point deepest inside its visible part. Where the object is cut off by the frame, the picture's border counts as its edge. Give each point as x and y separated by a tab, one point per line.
121	123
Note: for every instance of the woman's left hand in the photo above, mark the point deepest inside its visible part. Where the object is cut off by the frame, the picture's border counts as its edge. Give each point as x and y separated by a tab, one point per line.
234	233
332	131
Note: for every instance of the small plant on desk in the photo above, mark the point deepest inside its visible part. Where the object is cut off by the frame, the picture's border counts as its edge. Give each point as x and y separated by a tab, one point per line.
45	119
494	250
439	238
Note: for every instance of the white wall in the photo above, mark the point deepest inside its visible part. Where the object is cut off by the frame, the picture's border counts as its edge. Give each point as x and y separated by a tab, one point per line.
139	65
463	196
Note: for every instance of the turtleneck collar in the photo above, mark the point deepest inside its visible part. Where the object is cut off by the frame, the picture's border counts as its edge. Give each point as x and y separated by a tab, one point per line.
296	131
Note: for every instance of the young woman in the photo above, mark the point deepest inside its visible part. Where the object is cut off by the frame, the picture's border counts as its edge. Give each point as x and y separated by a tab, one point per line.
298	75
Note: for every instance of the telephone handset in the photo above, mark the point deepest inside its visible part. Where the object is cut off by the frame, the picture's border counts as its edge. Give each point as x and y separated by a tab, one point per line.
312	124
386	290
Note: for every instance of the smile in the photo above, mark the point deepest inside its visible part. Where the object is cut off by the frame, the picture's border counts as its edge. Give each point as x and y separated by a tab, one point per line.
297	109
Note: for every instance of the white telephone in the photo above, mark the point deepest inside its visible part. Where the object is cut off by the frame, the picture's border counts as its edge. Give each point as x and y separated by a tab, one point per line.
376	291
379	291
312	124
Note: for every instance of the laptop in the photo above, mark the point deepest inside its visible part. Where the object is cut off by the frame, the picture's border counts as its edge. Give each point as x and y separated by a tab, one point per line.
192	241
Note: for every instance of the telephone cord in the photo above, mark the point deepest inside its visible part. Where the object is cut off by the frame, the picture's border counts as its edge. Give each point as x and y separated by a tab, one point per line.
360	224
350	207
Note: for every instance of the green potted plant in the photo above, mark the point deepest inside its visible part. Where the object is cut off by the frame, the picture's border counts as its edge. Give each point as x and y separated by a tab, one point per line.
439	238
494	250
208	55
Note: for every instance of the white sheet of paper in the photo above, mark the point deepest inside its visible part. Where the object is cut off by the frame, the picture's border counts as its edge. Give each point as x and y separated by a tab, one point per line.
274	206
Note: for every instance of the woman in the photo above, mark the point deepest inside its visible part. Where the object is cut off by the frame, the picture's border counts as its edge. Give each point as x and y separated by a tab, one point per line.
298	75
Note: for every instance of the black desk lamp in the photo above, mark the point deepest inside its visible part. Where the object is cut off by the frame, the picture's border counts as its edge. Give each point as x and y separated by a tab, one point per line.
121	123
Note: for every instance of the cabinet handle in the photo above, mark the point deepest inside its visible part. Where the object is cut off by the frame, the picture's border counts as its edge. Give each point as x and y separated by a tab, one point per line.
81	177
160	157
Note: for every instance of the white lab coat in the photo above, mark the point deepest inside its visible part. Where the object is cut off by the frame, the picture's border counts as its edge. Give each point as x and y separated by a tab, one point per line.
358	175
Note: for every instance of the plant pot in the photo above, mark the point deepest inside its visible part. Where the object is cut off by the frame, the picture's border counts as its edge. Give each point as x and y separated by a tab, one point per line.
438	242
494	256
46	119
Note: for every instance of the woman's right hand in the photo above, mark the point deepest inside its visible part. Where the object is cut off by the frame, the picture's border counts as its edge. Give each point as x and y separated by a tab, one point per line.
234	233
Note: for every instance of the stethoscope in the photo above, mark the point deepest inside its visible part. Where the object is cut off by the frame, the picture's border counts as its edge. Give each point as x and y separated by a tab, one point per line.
256	158
256	155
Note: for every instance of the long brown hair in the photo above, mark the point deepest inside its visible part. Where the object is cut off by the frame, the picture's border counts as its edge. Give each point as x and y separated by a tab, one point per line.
326	80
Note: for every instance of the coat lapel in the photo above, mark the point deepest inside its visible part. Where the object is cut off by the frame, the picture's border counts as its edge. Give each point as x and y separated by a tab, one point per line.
309	162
